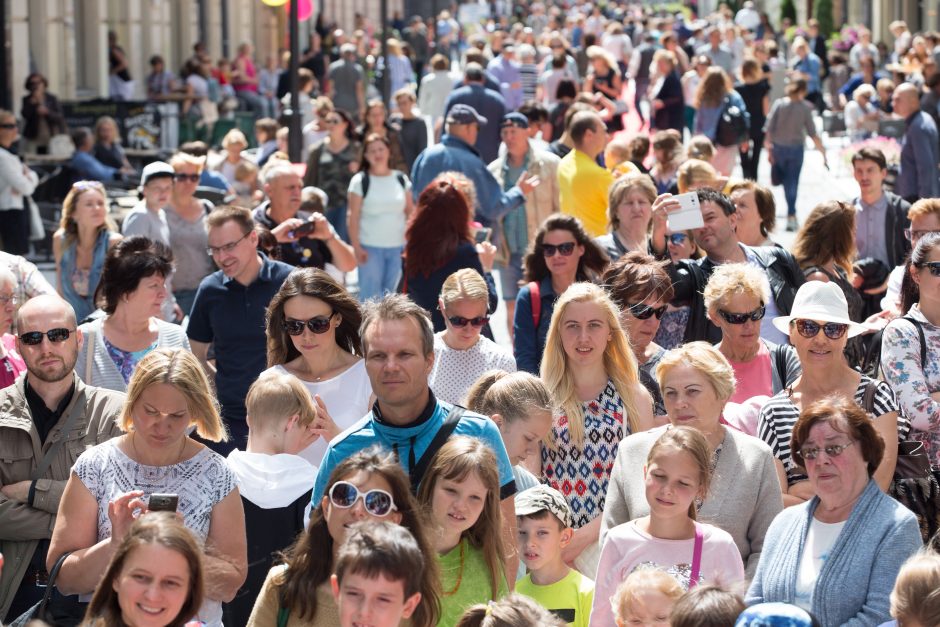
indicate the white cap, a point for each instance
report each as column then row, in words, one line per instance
column 154, row 170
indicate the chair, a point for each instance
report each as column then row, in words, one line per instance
column 892, row 128
column 213, row 195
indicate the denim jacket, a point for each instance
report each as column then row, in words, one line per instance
column 83, row 305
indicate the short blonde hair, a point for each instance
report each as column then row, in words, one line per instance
column 696, row 172
column 464, row 284
column 181, row 159
column 916, row 594
column 735, row 278
column 276, row 396
column 640, row 581
column 234, row 136
column 923, row 208
column 618, row 194
column 706, row 359
column 700, row 147
column 180, row 368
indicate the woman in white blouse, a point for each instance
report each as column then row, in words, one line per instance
column 16, row 183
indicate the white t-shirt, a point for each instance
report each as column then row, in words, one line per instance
column 455, row 371
column 382, row 218
column 820, row 539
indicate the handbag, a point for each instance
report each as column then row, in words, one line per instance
column 66, row 611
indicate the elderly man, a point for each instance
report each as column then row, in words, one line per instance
column 279, row 214
column 47, row 419
column 456, row 153
column 488, row 103
column 918, row 176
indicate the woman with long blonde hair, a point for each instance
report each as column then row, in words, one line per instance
column 593, row 375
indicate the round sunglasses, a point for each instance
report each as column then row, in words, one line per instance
column 645, row 312
column 741, row 318
column 377, row 502
column 317, row 324
column 832, row 330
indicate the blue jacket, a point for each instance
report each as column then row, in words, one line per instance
column 918, row 176
column 528, row 342
column 488, row 103
column 83, row 305
column 87, row 168
column 455, row 155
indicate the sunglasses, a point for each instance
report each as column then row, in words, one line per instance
column 833, row 330
column 910, row 235
column 331, row 121
column 677, row 239
column 32, row 338
column 932, row 266
column 565, row 250
column 645, row 312
column 192, row 178
column 8, row 125
column 741, row 318
column 377, row 502
column 833, row 450
column 461, row 322
column 317, row 324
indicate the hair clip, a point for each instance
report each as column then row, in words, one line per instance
column 489, row 607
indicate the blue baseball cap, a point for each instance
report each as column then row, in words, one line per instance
column 515, row 119
column 464, row 114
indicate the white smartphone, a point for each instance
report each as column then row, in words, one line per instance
column 690, row 214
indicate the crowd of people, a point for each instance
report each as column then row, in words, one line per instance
column 294, row 409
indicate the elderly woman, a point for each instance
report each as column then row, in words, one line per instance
column 697, row 381
column 757, row 213
column 861, row 114
column 132, row 288
column 838, row 555
column 168, row 395
column 16, row 183
column 640, row 287
column 11, row 363
column 629, row 211
column 819, row 327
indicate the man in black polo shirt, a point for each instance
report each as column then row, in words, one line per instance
column 229, row 312
column 279, row 214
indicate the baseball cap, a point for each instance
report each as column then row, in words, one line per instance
column 515, row 119
column 155, row 170
column 543, row 497
column 464, row 114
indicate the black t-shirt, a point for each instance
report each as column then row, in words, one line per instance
column 753, row 96
column 305, row 252
column 43, row 417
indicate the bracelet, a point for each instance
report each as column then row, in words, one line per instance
column 32, row 493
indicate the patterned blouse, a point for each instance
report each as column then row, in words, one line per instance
column 582, row 473
column 126, row 361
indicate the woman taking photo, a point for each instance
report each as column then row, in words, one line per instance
column 697, row 381
column 17, row 182
column 168, row 394
column 629, row 211
column 380, row 203
column 81, row 244
column 819, row 327
column 189, row 235
column 561, row 254
column 42, row 115
column 850, row 531
column 331, row 165
column 376, row 121
column 591, row 369
column 313, row 333
column 132, row 291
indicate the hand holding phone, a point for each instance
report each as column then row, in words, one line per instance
column 483, row 234
column 689, row 214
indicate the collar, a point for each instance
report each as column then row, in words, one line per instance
column 264, row 273
column 422, row 418
column 33, row 398
column 879, row 205
column 455, row 142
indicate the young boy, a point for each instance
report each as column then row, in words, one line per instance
column 273, row 480
column 544, row 527
column 378, row 575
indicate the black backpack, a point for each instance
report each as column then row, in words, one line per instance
column 365, row 181
column 733, row 125
column 871, row 364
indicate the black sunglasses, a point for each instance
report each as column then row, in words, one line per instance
column 833, row 330
column 32, row 338
column 565, row 250
column 677, row 239
column 8, row 125
column 645, row 312
column 317, row 324
column 460, row 321
column 932, row 266
column 192, row 178
column 741, row 318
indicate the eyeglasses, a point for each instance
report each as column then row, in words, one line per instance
column 833, row 330
column 8, row 300
column 678, row 239
column 910, row 235
column 565, row 250
column 331, row 121
column 460, row 321
column 932, row 266
column 317, row 324
column 741, row 318
column 32, row 338
column 226, row 248
column 8, row 125
column 645, row 312
column 832, row 450
column 192, row 178
column 377, row 502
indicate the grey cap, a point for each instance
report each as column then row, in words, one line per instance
column 464, row 114
column 540, row 498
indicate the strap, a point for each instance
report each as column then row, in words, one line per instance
column 89, row 356
column 535, row 296
column 282, row 615
column 868, row 397
column 56, row 445
column 365, row 183
column 450, row 423
column 50, row 586
column 780, row 359
column 920, row 335
column 696, row 557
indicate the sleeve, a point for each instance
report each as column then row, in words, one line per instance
column 524, row 340
column 200, row 324
column 766, row 429
column 769, row 504
column 808, row 125
column 312, row 174
column 355, row 184
column 17, row 176
column 925, row 163
column 264, row 613
column 493, row 298
column 491, row 436
column 494, row 203
column 329, row 462
column 770, row 126
column 135, row 224
column 794, row 367
column 903, row 371
column 32, row 280
column 616, row 510
column 605, row 585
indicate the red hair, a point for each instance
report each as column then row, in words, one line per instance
column 440, row 223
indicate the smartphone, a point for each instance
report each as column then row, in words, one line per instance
column 483, row 234
column 690, row 214
column 163, row 502
column 304, row 229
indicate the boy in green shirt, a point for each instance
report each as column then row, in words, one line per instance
column 544, row 529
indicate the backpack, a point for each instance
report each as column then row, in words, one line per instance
column 871, row 363
column 733, row 124
column 366, row 179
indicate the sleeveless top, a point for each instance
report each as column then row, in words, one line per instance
column 83, row 303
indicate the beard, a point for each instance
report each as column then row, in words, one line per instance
column 53, row 374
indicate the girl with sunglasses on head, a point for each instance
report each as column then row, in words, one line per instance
column 367, row 485
column 313, row 334
column 561, row 254
column 819, row 327
column 461, row 354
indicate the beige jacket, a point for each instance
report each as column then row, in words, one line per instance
column 541, row 203
column 23, row 526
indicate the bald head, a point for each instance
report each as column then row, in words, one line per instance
column 51, row 359
column 45, row 307
column 905, row 100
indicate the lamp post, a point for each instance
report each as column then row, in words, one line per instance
column 295, row 141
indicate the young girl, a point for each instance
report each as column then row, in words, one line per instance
column 678, row 471
column 368, row 485
column 646, row 597
column 461, row 492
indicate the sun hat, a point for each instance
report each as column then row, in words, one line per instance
column 824, row 302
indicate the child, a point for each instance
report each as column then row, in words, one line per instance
column 618, row 156
column 544, row 529
column 461, row 491
column 514, row 610
column 273, row 480
column 702, row 148
column 378, row 575
column 646, row 597
column 711, row 606
column 678, row 471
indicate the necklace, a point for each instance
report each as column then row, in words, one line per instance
column 153, row 476
column 456, row 587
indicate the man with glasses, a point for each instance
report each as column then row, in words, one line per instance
column 229, row 313
column 47, row 419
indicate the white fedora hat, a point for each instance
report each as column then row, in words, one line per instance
column 823, row 302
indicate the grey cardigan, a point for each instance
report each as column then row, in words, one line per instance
column 743, row 508
column 853, row 586
column 104, row 373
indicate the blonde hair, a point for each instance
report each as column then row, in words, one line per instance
column 234, row 136
column 276, row 396
column 735, row 278
column 67, row 223
column 513, row 396
column 923, row 208
column 691, row 441
column 181, row 159
column 460, row 456
column 696, row 172
column 701, row 148
column 464, row 284
column 916, row 594
column 180, row 368
column 706, row 359
column 619, row 361
column 637, row 583
column 665, row 55
column 618, row 195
